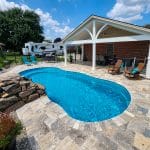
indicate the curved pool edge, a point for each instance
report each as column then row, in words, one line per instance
column 91, row 76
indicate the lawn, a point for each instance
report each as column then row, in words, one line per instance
column 10, row 58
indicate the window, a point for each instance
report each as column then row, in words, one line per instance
column 53, row 46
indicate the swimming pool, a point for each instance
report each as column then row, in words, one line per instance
column 83, row 97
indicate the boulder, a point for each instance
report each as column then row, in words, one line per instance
column 23, row 88
column 41, row 92
column 41, row 87
column 4, row 95
column 33, row 84
column 8, row 82
column 15, row 91
column 25, row 99
column 14, row 107
column 24, row 82
column 27, row 93
column 33, row 97
column 6, row 102
column 1, row 84
column 10, row 87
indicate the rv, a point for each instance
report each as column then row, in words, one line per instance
column 40, row 49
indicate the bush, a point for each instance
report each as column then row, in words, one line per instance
column 8, row 130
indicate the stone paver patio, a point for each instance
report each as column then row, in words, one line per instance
column 50, row 128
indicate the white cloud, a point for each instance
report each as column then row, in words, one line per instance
column 52, row 28
column 129, row 10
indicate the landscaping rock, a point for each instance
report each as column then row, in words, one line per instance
column 16, row 91
column 10, row 87
column 39, row 86
column 33, row 97
column 6, row 102
column 23, row 88
column 27, row 93
column 14, row 107
column 41, row 92
column 24, row 83
column 4, row 95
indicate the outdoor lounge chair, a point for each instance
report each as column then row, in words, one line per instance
column 116, row 68
column 33, row 59
column 134, row 72
column 25, row 61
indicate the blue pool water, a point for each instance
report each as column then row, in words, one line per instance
column 83, row 97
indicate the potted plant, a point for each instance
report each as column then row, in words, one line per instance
column 8, row 131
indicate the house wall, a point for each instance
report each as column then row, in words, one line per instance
column 132, row 49
column 121, row 50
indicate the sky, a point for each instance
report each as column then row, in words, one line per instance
column 60, row 17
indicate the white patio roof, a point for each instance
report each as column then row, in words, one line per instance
column 84, row 32
column 97, row 29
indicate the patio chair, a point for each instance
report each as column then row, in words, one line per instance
column 115, row 69
column 33, row 59
column 100, row 60
column 134, row 72
column 25, row 61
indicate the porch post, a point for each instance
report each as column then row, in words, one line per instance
column 94, row 56
column 94, row 46
column 82, row 51
column 148, row 64
column 65, row 54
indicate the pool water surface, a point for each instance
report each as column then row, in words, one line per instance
column 83, row 97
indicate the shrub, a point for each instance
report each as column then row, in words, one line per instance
column 8, row 130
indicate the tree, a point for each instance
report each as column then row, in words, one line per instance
column 57, row 40
column 18, row 27
column 147, row 26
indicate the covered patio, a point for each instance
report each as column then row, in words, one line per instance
column 102, row 36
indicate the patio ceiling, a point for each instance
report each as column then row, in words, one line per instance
column 108, row 29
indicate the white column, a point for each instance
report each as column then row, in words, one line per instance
column 94, row 46
column 94, row 56
column 148, row 64
column 82, row 51
column 65, row 54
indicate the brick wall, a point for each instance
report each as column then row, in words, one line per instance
column 88, row 51
column 131, row 49
column 121, row 49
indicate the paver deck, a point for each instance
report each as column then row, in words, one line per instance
column 50, row 128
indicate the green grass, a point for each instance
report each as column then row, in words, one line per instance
column 7, row 60
column 16, row 59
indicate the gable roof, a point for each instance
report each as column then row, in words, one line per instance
column 110, row 22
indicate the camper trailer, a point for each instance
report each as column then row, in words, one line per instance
column 40, row 49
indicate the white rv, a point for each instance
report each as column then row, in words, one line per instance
column 42, row 48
